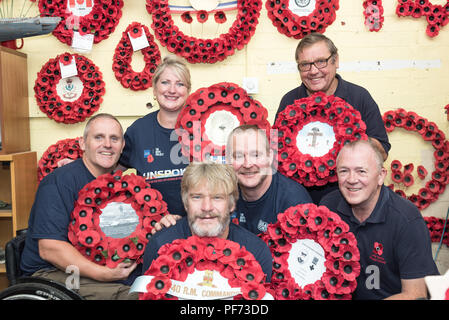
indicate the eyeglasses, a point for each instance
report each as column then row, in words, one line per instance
column 319, row 64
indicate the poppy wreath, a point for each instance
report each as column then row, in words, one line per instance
column 63, row 149
column 180, row 258
column 436, row 227
column 317, row 223
column 437, row 16
column 347, row 126
column 201, row 104
column 53, row 105
column 429, row 131
column 197, row 50
column 374, row 14
column 297, row 27
column 100, row 22
column 447, row 111
column 123, row 56
column 84, row 230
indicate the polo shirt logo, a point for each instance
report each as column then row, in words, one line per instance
column 377, row 253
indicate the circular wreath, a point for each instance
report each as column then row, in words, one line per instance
column 85, row 232
column 200, row 105
column 123, row 57
column 317, row 223
column 197, row 50
column 100, row 22
column 347, row 126
column 410, row 121
column 437, row 16
column 68, row 110
column 180, row 258
column 63, row 149
column 297, row 27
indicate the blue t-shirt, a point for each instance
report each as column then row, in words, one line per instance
column 282, row 194
column 394, row 244
column 155, row 153
column 361, row 100
column 181, row 230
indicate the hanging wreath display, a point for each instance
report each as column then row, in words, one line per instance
column 197, row 50
column 70, row 99
column 123, row 56
column 436, row 228
column 96, row 17
column 63, row 149
column 182, row 257
column 437, row 16
column 311, row 132
column 113, row 218
column 211, row 113
column 429, row 131
column 374, row 14
column 298, row 18
column 314, row 255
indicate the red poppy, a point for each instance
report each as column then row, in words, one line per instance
column 220, row 17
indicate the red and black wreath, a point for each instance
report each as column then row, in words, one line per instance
column 180, row 258
column 123, row 56
column 436, row 227
column 63, row 149
column 311, row 132
column 197, row 50
column 411, row 121
column 211, row 113
column 328, row 231
column 437, row 16
column 298, row 26
column 72, row 99
column 374, row 14
column 97, row 17
column 86, row 228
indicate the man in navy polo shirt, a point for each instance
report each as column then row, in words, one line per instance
column 264, row 192
column 317, row 59
column 394, row 242
column 209, row 193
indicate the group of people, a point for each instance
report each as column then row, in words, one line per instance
column 239, row 199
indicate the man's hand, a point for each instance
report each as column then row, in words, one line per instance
column 121, row 271
column 64, row 161
column 166, row 221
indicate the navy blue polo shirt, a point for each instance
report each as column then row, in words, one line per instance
column 282, row 194
column 155, row 153
column 361, row 100
column 394, row 243
column 181, row 230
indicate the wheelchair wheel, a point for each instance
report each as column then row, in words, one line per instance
column 38, row 289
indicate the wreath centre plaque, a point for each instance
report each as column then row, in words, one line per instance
column 315, row 138
column 118, row 220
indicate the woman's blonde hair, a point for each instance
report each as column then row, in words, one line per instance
column 178, row 66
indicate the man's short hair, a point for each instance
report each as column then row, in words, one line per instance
column 378, row 154
column 313, row 38
column 220, row 178
column 100, row 116
column 246, row 128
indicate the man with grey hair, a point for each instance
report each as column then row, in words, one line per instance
column 209, row 193
column 317, row 61
column 392, row 237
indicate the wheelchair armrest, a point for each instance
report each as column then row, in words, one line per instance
column 13, row 252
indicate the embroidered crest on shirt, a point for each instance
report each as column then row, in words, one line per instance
column 262, row 226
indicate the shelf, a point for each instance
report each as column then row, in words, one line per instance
column 2, row 268
column 5, row 213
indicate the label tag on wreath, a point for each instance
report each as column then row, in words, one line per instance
column 82, row 43
column 315, row 138
column 302, row 8
column 68, row 70
column 118, row 220
column 140, row 42
column 199, row 285
column 80, row 8
column 306, row 261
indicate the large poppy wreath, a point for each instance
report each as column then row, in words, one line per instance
column 312, row 241
column 123, row 55
column 211, row 114
column 63, row 149
column 72, row 99
column 99, row 17
column 197, row 50
column 311, row 132
column 133, row 202
column 429, row 131
column 182, row 257
column 297, row 25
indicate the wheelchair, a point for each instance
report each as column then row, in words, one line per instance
column 29, row 288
